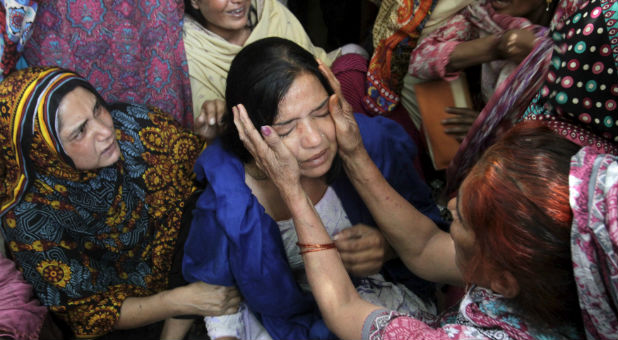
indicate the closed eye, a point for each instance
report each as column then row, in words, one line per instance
column 287, row 132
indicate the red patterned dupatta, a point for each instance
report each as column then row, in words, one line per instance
column 396, row 32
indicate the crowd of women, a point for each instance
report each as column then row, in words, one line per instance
column 172, row 162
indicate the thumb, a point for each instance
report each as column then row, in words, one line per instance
column 348, row 233
column 336, row 110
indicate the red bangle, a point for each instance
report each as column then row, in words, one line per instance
column 311, row 247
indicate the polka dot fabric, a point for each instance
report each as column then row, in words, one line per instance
column 579, row 97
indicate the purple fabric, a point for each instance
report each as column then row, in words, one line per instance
column 593, row 184
column 131, row 51
column 21, row 315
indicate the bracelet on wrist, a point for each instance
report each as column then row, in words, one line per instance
column 312, row 247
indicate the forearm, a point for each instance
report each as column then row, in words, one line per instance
column 141, row 311
column 331, row 286
column 421, row 245
column 472, row 52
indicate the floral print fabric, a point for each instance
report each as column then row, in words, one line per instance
column 593, row 184
column 482, row 315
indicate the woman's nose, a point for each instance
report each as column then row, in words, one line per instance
column 103, row 130
column 311, row 134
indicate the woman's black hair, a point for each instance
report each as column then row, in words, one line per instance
column 259, row 77
column 197, row 15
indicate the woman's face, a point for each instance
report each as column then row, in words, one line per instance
column 519, row 8
column 87, row 130
column 305, row 126
column 224, row 17
column 463, row 237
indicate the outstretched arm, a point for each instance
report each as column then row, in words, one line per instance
column 195, row 298
column 421, row 245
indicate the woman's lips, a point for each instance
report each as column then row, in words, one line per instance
column 238, row 13
column 316, row 160
column 109, row 150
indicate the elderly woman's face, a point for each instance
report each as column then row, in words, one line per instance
column 87, row 130
column 306, row 127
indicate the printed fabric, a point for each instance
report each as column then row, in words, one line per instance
column 578, row 98
column 16, row 17
column 593, row 184
column 482, row 315
column 131, row 51
column 395, row 33
column 87, row 240
column 430, row 58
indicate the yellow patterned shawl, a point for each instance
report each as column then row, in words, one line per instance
column 87, row 240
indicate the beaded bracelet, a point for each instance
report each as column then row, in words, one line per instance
column 311, row 247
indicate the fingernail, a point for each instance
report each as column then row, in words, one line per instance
column 212, row 121
column 265, row 131
column 336, row 237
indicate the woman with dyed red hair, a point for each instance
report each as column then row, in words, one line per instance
column 509, row 241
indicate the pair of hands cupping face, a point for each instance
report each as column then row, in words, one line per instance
column 363, row 249
column 273, row 157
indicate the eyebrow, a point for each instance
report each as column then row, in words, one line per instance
column 97, row 105
column 318, row 108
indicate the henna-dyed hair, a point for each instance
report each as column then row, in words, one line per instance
column 516, row 201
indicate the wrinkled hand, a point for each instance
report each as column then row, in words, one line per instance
column 349, row 139
column 459, row 126
column 515, row 45
column 363, row 249
column 209, row 300
column 270, row 154
column 210, row 121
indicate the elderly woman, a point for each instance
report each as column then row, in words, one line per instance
column 508, row 228
column 93, row 204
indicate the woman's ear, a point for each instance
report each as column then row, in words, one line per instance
column 505, row 284
column 195, row 4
